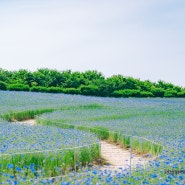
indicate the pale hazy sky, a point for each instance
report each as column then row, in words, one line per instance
column 140, row 38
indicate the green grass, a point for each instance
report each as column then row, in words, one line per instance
column 90, row 106
column 139, row 145
column 72, row 159
column 103, row 133
column 50, row 163
column 24, row 115
column 143, row 146
column 65, row 159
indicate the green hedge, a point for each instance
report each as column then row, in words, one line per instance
column 18, row 87
column 39, row 89
column 91, row 90
column 71, row 91
column 131, row 93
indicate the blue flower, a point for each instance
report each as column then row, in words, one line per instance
column 108, row 179
column 153, row 175
column 15, row 183
column 10, row 165
column 18, row 169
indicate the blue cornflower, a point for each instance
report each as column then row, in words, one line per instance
column 15, row 183
column 153, row 175
column 181, row 177
column 108, row 179
column 18, row 169
column 95, row 172
column 10, row 165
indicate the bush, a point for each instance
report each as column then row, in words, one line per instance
column 170, row 93
column 54, row 89
column 39, row 89
column 146, row 94
column 71, row 91
column 181, row 94
column 18, row 87
column 2, row 85
column 91, row 90
column 158, row 92
column 131, row 93
column 126, row 93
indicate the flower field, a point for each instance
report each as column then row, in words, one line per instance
column 18, row 138
column 67, row 124
column 49, row 150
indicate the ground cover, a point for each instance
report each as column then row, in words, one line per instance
column 24, row 101
column 39, row 151
column 159, row 120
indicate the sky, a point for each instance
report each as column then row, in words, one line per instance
column 144, row 39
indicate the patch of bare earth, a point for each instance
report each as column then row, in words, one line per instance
column 30, row 122
column 119, row 158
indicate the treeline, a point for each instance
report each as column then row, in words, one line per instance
column 90, row 83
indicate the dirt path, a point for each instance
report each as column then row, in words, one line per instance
column 30, row 122
column 119, row 157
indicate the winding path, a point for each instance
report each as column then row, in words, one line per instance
column 119, row 157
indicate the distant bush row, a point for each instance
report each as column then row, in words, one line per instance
column 90, row 83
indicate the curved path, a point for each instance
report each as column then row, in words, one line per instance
column 119, row 157
column 114, row 155
column 30, row 122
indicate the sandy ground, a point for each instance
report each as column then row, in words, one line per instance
column 30, row 122
column 119, row 157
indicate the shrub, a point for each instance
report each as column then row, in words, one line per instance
column 54, row 89
column 181, row 94
column 158, row 92
column 146, row 94
column 89, row 90
column 18, row 87
column 2, row 85
column 71, row 91
column 126, row 93
column 39, row 89
column 170, row 93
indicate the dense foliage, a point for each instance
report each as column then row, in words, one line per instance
column 91, row 83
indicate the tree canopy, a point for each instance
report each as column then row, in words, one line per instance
column 91, row 83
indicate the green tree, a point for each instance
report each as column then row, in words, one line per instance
column 75, row 80
column 170, row 93
column 93, row 77
column 158, row 92
column 5, row 75
column 47, row 78
column 2, row 85
column 181, row 94
column 164, row 85
column 22, row 77
column 116, row 82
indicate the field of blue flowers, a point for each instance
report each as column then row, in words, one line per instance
column 156, row 119
column 18, row 138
